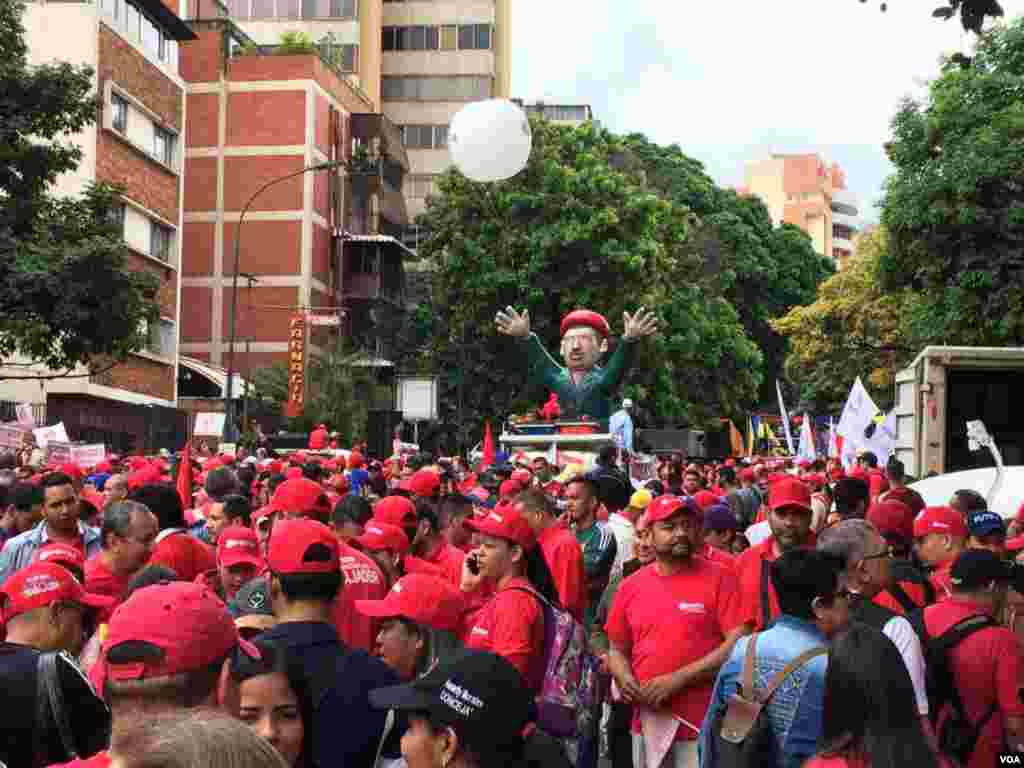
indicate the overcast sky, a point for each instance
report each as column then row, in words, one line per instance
column 734, row 81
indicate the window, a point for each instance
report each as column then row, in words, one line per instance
column 239, row 9
column 417, row 38
column 432, row 38
column 483, row 37
column 289, row 9
column 436, row 88
column 118, row 113
column 387, row 37
column 163, row 145
column 475, row 37
column 159, row 337
column 160, row 241
column 467, row 37
column 263, row 9
column 440, row 136
column 117, row 216
column 449, row 38
column 405, row 35
column 150, row 35
column 345, row 9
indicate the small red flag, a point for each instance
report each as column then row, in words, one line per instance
column 488, row 449
column 184, row 482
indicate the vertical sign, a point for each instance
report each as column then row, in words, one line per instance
column 296, row 366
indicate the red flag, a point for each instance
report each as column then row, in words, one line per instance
column 185, row 478
column 488, row 450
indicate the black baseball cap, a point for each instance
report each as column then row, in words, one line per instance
column 977, row 568
column 478, row 693
column 251, row 608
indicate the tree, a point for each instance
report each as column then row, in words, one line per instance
column 955, row 206
column 66, row 295
column 852, row 329
column 973, row 13
column 571, row 230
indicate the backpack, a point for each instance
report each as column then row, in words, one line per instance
column 957, row 735
column 744, row 737
column 569, row 703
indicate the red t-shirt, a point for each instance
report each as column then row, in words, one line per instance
column 564, row 558
column 877, row 484
column 511, row 625
column 720, row 556
column 987, row 669
column 907, row 496
column 184, row 554
column 100, row 580
column 363, row 581
column 748, row 569
column 448, row 559
column 99, row 760
column 664, row 623
column 835, row 762
column 942, row 579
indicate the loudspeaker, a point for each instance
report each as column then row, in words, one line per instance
column 380, row 431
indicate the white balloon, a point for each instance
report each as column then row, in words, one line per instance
column 490, row 140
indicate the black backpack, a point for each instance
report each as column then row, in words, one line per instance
column 958, row 735
column 744, row 736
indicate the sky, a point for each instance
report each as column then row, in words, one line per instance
column 732, row 82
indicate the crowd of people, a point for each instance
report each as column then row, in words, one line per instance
column 325, row 608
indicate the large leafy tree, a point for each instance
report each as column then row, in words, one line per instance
column 581, row 226
column 66, row 296
column 955, row 206
column 852, row 329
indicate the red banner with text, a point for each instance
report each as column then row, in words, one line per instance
column 296, row 366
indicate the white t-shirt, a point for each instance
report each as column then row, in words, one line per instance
column 907, row 642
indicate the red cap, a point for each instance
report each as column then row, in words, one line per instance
column 522, row 476
column 61, row 554
column 665, row 506
column 72, row 470
column 377, row 536
column 300, row 496
column 789, row 492
column 1020, row 514
column 892, row 517
column 395, row 510
column 93, row 497
column 705, row 499
column 508, row 488
column 940, row 520
column 747, row 474
column 41, row 584
column 587, row 318
column 293, row 473
column 259, row 514
column 505, row 523
column 237, row 545
column 1015, row 544
column 137, row 462
column 424, row 483
column 427, row 600
column 302, row 547
column 185, row 620
column 144, row 476
column 355, row 460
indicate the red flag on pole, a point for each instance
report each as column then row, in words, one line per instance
column 184, row 482
column 488, row 449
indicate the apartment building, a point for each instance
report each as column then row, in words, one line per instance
column 803, row 190
column 133, row 47
column 573, row 115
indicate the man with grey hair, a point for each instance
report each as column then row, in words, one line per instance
column 115, row 489
column 868, row 559
column 128, row 533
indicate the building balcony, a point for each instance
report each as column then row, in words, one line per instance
column 845, row 220
column 844, row 201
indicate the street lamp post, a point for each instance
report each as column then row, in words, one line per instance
column 230, row 430
column 250, row 279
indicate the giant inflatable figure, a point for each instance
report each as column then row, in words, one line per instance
column 584, row 388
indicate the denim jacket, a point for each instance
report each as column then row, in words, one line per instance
column 795, row 711
column 18, row 552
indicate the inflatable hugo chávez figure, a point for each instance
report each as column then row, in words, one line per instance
column 583, row 387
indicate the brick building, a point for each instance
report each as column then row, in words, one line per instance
column 132, row 45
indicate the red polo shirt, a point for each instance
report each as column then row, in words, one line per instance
column 446, row 559
column 363, row 581
column 720, row 556
column 664, row 623
column 987, row 669
column 511, row 625
column 184, row 554
column 941, row 579
column 748, row 570
column 100, row 580
column 564, row 557
column 99, row 760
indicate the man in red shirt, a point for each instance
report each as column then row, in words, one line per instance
column 511, row 623
column 363, row 581
column 940, row 535
column 238, row 561
column 129, row 532
column 559, row 547
column 671, row 627
column 789, row 517
column 386, row 545
column 175, row 547
column 898, row 490
column 987, row 665
column 909, row 589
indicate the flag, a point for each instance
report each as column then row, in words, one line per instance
column 785, row 419
column 755, row 434
column 807, row 449
column 184, row 481
column 488, row 447
column 735, row 439
column 865, row 428
column 834, row 440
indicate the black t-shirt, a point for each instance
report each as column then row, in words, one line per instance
column 88, row 715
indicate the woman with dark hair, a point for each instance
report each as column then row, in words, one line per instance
column 275, row 702
column 870, row 713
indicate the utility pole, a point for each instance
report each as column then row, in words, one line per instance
column 250, row 279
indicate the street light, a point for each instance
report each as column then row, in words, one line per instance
column 230, row 432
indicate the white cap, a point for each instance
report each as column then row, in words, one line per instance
column 627, row 403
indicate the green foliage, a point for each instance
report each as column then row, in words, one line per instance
column 66, row 297
column 955, row 206
column 294, row 42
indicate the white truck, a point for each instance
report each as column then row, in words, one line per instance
column 943, row 389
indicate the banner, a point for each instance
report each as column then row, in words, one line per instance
column 296, row 366
column 24, row 413
column 88, row 455
column 785, row 419
column 12, row 435
column 59, row 452
column 45, row 434
column 209, row 424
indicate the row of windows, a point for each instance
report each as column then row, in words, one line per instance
column 450, row 37
column 436, row 88
column 128, row 19
column 143, row 234
column 552, row 112
column 292, row 9
column 425, row 136
column 147, row 135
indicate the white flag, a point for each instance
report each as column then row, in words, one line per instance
column 807, row 449
column 858, row 414
column 833, row 440
column 785, row 419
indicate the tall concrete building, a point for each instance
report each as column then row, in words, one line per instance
column 805, row 191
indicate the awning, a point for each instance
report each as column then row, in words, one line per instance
column 385, row 240
column 214, row 374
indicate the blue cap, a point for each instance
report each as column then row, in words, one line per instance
column 718, row 517
column 985, row 523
